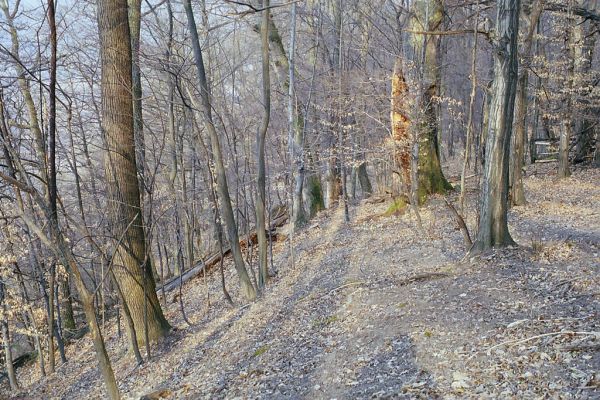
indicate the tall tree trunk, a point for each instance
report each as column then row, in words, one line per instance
column 471, row 112
column 134, row 17
column 566, row 131
column 333, row 173
column 131, row 264
column 52, row 189
column 296, row 131
column 222, row 186
column 428, row 15
column 493, row 223
column 531, row 13
column 586, row 35
column 261, row 198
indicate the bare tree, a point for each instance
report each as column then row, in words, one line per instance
column 131, row 264
column 493, row 222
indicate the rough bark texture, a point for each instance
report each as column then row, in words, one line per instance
column 363, row 178
column 428, row 15
column 134, row 17
column 493, row 224
column 313, row 192
column 531, row 16
column 566, row 131
column 66, row 307
column 131, row 265
column 586, row 35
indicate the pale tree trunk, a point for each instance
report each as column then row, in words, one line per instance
column 131, row 264
column 34, row 125
column 261, row 135
column 307, row 187
column 468, row 144
column 296, row 132
column 531, row 13
column 493, row 223
column 223, row 189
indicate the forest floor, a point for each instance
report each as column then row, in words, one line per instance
column 377, row 308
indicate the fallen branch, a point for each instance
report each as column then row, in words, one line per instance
column 214, row 259
column 529, row 339
column 461, row 223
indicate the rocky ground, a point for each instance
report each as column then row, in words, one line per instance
column 378, row 308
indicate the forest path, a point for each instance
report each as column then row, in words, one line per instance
column 376, row 309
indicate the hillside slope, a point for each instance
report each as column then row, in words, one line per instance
column 377, row 309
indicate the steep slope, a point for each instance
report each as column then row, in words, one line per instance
column 378, row 309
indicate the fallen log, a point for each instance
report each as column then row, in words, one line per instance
column 206, row 264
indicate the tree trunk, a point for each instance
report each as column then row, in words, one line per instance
column 68, row 318
column 52, row 189
column 531, row 16
column 566, row 131
column 222, row 186
column 429, row 15
column 296, row 124
column 493, row 224
column 134, row 18
column 585, row 124
column 131, row 264
column 363, row 178
column 313, row 193
column 261, row 198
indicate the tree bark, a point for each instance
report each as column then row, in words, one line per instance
column 531, row 15
column 428, row 15
column 493, row 223
column 134, row 18
column 131, row 264
column 222, row 186
column 261, row 198
column 363, row 178
column 585, row 123
column 566, row 131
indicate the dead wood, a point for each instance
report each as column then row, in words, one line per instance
column 212, row 260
